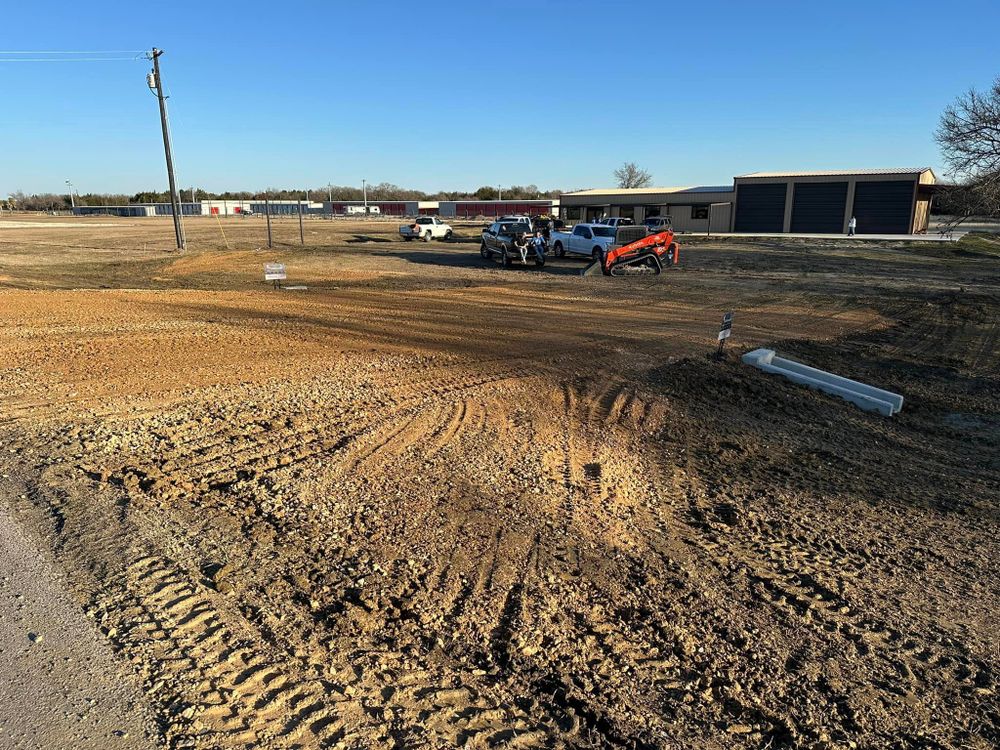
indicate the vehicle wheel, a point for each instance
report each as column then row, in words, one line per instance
column 427, row 237
column 560, row 251
column 447, row 236
column 485, row 251
column 407, row 239
column 597, row 255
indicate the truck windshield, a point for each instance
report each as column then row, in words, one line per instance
column 604, row 231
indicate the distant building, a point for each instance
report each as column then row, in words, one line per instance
column 471, row 208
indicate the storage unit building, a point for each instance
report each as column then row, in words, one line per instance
column 884, row 201
column 690, row 208
column 381, row 208
column 472, row 209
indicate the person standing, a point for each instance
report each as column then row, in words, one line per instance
column 851, row 226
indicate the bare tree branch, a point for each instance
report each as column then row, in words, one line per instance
column 969, row 136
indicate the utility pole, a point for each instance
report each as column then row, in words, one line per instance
column 364, row 194
column 302, row 231
column 499, row 192
column 72, row 202
column 156, row 84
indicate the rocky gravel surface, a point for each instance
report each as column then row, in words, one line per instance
column 428, row 503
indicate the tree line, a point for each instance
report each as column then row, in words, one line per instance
column 385, row 191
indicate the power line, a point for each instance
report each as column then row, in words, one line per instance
column 67, row 59
column 73, row 52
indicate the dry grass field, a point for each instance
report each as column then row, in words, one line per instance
column 428, row 502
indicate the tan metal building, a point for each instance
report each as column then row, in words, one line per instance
column 688, row 207
column 884, row 201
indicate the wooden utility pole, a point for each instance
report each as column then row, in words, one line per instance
column 302, row 231
column 175, row 200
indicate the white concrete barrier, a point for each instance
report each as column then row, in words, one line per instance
column 862, row 395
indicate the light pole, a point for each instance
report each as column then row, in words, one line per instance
column 499, row 192
column 329, row 191
column 72, row 203
column 364, row 195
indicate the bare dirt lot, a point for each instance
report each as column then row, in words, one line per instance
column 432, row 503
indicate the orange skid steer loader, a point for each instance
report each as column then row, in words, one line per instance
column 636, row 253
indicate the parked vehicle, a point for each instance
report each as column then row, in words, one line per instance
column 515, row 219
column 349, row 210
column 656, row 224
column 511, row 241
column 426, row 228
column 616, row 221
column 591, row 240
column 541, row 223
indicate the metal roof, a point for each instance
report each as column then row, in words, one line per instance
column 837, row 172
column 654, row 190
column 708, row 189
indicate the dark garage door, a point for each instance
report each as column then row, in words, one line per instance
column 883, row 207
column 819, row 207
column 760, row 208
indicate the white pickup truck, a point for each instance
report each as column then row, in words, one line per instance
column 426, row 228
column 591, row 240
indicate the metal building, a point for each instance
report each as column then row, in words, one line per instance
column 381, row 208
column 472, row 208
column 690, row 208
column 884, row 201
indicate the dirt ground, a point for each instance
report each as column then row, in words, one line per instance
column 428, row 502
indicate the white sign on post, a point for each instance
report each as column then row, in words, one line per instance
column 274, row 272
column 724, row 332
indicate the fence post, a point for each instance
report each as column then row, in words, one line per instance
column 302, row 233
column 267, row 213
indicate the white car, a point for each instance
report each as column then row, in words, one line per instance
column 617, row 221
column 426, row 228
column 591, row 240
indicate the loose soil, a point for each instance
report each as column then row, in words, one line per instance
column 428, row 502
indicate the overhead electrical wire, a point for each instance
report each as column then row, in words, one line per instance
column 70, row 55
column 66, row 59
column 69, row 52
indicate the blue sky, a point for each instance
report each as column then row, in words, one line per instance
column 454, row 95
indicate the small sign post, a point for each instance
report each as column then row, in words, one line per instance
column 275, row 272
column 724, row 333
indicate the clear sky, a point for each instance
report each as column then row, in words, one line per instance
column 454, row 95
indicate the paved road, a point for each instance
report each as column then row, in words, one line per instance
column 60, row 684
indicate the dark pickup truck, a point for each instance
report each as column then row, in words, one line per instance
column 511, row 241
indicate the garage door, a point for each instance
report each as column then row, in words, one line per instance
column 883, row 207
column 760, row 208
column 819, row 207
